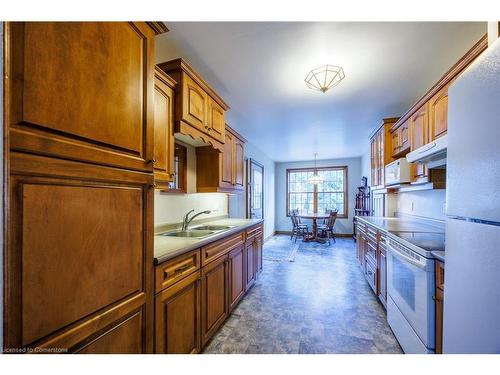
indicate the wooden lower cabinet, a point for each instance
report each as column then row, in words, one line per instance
column 382, row 274
column 237, row 280
column 439, row 299
column 123, row 338
column 178, row 317
column 214, row 296
column 76, row 272
column 259, row 243
column 197, row 291
column 371, row 252
column 250, row 257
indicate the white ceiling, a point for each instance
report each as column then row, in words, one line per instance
column 259, row 70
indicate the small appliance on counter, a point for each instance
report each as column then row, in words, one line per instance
column 410, row 288
column 397, row 172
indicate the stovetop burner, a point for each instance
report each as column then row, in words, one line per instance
column 422, row 242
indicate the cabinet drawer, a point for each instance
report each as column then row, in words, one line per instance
column 372, row 234
column 371, row 251
column 440, row 275
column 371, row 273
column 221, row 247
column 176, row 269
column 254, row 231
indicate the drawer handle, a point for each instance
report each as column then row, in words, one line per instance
column 179, row 270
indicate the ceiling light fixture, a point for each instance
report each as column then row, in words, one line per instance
column 324, row 78
column 315, row 179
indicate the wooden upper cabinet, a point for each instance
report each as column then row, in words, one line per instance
column 239, row 163
column 82, row 91
column 419, row 130
column 404, row 139
column 419, row 127
column 216, row 123
column 400, row 141
column 163, row 160
column 228, row 160
column 438, row 114
column 194, row 104
column 221, row 171
column 199, row 110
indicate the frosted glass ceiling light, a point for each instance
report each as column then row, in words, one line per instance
column 324, row 78
column 315, row 178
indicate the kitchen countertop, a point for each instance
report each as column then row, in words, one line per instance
column 424, row 236
column 403, row 224
column 166, row 248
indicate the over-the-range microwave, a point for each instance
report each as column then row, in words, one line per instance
column 397, row 172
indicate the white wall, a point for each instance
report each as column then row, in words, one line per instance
column 426, row 203
column 283, row 222
column 365, row 166
column 170, row 208
column 237, row 202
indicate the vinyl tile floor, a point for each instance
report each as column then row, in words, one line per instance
column 319, row 303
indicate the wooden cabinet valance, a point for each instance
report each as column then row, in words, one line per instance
column 199, row 110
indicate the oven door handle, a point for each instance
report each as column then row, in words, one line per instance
column 405, row 258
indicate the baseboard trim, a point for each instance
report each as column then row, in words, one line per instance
column 289, row 232
column 269, row 237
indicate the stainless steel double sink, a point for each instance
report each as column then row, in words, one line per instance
column 200, row 231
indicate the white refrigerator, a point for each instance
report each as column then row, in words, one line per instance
column 472, row 269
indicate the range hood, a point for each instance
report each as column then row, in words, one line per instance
column 432, row 154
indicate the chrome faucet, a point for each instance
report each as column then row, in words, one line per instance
column 187, row 220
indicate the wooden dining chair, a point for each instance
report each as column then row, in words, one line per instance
column 298, row 229
column 327, row 229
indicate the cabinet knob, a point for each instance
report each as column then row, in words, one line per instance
column 206, row 126
column 152, row 161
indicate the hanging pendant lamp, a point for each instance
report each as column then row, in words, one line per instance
column 315, row 178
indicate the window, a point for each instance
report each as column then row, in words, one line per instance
column 309, row 198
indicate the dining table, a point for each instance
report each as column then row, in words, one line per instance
column 314, row 216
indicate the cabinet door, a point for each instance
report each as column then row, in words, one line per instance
column 250, row 264
column 438, row 114
column 381, row 163
column 216, row 123
column 90, row 258
column 194, row 104
column 214, row 300
column 419, row 128
column 236, row 275
column 382, row 282
column 178, row 317
column 373, row 158
column 228, row 160
column 259, row 245
column 82, row 91
column 404, row 141
column 239, row 163
column 419, row 137
column 439, row 298
column 395, row 138
column 163, row 160
column 123, row 338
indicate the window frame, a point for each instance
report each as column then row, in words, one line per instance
column 344, row 169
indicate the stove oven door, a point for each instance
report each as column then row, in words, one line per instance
column 410, row 279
